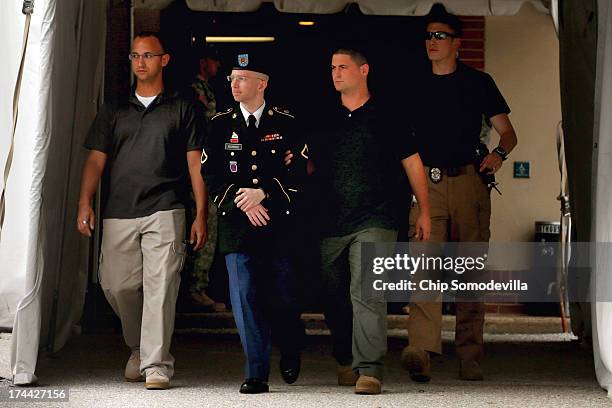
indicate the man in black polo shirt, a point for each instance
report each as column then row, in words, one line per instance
column 451, row 102
column 357, row 156
column 149, row 144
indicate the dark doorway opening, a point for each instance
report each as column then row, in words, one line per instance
column 299, row 55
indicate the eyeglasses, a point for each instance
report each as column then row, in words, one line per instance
column 134, row 56
column 241, row 78
column 438, row 35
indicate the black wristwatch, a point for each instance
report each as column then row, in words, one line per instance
column 502, row 153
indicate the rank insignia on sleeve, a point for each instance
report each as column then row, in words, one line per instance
column 233, row 166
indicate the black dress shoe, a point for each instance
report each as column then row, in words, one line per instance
column 254, row 386
column 290, row 368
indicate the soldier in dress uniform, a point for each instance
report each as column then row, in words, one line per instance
column 255, row 195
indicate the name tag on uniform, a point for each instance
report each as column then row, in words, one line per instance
column 233, row 146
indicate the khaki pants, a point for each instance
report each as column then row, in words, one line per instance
column 140, row 268
column 460, row 211
column 358, row 325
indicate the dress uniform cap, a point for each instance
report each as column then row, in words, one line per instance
column 249, row 61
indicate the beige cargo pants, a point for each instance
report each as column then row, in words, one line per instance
column 140, row 267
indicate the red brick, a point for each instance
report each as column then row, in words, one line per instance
column 476, row 55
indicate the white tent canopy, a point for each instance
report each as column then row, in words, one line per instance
column 368, row 7
column 40, row 249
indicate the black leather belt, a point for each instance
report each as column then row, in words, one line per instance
column 436, row 173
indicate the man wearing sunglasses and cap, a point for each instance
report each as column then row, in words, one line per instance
column 452, row 101
column 255, row 195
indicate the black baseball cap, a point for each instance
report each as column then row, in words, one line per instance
column 438, row 14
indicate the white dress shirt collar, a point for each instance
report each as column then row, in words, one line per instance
column 257, row 113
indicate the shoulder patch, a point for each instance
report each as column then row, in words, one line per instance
column 222, row 113
column 283, row 112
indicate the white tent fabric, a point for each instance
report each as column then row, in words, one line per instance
column 370, row 7
column 12, row 280
column 602, row 225
column 21, row 263
column 40, row 249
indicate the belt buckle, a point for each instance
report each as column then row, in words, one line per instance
column 435, row 174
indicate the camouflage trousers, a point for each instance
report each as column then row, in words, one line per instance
column 201, row 262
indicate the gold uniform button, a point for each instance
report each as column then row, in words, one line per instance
column 254, row 167
column 254, row 153
column 288, row 212
column 255, row 181
column 273, row 151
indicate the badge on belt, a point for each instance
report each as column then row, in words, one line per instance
column 435, row 174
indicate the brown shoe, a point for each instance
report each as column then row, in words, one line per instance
column 417, row 362
column 367, row 385
column 132, row 368
column 219, row 307
column 201, row 299
column 346, row 376
column 469, row 370
column 156, row 379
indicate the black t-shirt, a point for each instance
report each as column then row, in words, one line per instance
column 146, row 148
column 358, row 156
column 448, row 114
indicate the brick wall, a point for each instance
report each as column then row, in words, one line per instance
column 472, row 44
column 117, row 66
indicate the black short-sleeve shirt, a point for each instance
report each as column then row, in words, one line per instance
column 146, row 148
column 357, row 156
column 448, row 114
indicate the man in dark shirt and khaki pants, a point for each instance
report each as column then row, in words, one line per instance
column 357, row 169
column 149, row 144
column 450, row 107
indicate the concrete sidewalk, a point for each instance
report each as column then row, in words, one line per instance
column 521, row 370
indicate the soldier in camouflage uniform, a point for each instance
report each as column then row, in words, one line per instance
column 208, row 67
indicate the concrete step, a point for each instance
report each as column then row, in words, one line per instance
column 315, row 322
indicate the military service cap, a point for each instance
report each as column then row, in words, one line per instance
column 248, row 61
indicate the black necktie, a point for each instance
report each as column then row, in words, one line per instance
column 252, row 121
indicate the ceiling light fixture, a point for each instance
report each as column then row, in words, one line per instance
column 223, row 39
